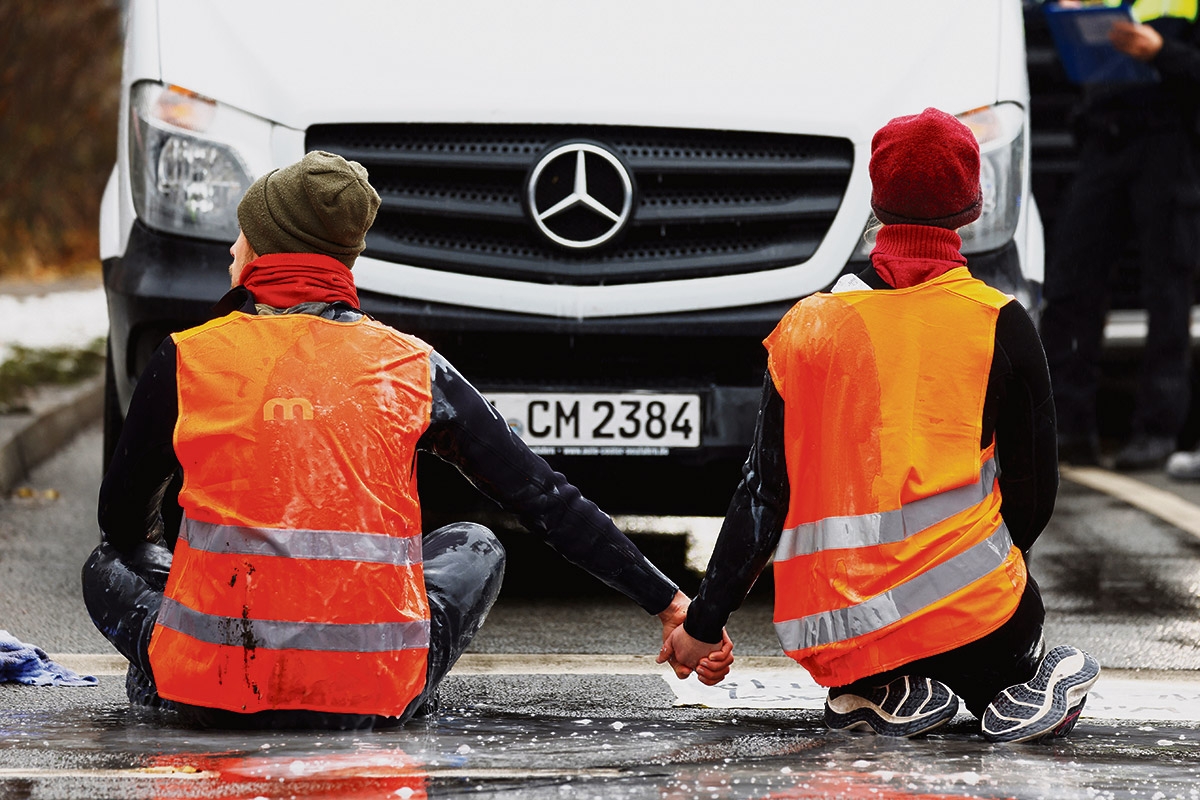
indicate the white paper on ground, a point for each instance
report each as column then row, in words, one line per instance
column 1144, row 699
column 751, row 689
column 1116, row 698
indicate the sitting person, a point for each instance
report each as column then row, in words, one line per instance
column 262, row 562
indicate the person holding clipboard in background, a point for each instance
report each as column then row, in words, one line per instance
column 1139, row 67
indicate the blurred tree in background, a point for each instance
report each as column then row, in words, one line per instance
column 60, row 71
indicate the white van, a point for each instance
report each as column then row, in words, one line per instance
column 596, row 211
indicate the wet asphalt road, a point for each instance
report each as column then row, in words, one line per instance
column 1117, row 582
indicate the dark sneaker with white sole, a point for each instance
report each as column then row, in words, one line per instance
column 908, row 706
column 1048, row 705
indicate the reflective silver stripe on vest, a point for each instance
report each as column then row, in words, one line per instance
column 885, row 527
column 906, row 599
column 376, row 548
column 378, row 637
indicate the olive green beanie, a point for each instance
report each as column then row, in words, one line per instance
column 321, row 204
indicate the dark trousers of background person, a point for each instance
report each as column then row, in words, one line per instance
column 1144, row 186
column 463, row 566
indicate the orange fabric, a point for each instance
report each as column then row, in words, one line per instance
column 251, row 679
column 883, row 394
column 232, row 368
column 956, row 618
column 268, row 442
column 858, row 574
column 276, row 587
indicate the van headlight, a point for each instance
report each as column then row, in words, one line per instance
column 183, row 177
column 1000, row 130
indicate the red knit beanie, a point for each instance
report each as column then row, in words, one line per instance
column 925, row 171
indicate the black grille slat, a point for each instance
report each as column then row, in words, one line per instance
column 453, row 206
column 716, row 261
column 660, row 210
column 655, row 210
column 451, row 160
column 522, row 258
column 676, row 163
column 708, row 202
column 811, row 167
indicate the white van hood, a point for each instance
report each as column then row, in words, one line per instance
column 788, row 66
column 604, row 63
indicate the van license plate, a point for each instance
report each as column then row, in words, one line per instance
column 621, row 424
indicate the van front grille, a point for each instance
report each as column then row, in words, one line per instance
column 706, row 202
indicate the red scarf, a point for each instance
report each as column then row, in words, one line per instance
column 906, row 255
column 283, row 280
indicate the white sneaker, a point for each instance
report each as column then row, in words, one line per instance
column 1047, row 706
column 1184, row 465
column 908, row 706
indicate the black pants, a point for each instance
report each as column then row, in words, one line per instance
column 1143, row 186
column 978, row 671
column 463, row 565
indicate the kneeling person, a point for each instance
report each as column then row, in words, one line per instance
column 903, row 465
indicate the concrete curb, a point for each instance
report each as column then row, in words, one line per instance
column 56, row 414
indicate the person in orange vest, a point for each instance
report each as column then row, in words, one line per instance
column 904, row 463
column 262, row 562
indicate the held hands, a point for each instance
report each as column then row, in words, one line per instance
column 686, row 654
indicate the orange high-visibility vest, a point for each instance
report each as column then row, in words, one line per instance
column 893, row 546
column 297, row 578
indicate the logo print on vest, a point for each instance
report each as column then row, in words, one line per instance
column 290, row 406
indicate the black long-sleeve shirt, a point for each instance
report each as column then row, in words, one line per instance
column 1018, row 410
column 139, row 494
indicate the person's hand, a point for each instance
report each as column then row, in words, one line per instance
column 1134, row 39
column 673, row 615
column 713, row 668
column 686, row 654
column 671, row 618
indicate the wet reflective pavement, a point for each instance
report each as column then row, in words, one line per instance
column 1117, row 581
column 657, row 752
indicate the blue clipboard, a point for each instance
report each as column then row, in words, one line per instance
column 1081, row 38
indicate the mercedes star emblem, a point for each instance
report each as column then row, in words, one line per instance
column 580, row 195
